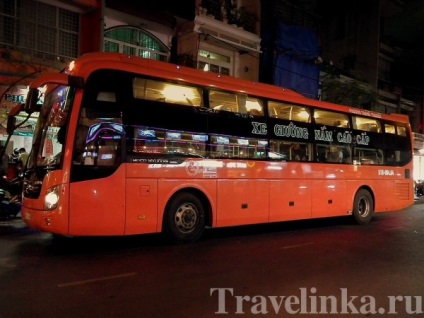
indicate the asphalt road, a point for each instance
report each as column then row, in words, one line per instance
column 318, row 268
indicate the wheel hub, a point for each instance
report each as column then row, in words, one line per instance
column 363, row 207
column 186, row 218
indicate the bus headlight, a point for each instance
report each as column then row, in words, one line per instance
column 52, row 198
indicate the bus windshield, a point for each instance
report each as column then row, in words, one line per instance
column 50, row 131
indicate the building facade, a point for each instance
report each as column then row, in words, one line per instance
column 356, row 49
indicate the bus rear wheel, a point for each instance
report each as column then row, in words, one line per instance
column 363, row 207
column 184, row 219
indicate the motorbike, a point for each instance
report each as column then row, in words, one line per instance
column 11, row 197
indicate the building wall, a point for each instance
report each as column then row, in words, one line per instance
column 349, row 36
column 22, row 58
column 92, row 27
column 348, row 31
column 113, row 18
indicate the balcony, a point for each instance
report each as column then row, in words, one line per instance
column 229, row 33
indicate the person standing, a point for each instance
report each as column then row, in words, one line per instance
column 4, row 164
column 23, row 158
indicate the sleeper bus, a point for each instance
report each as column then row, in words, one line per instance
column 125, row 146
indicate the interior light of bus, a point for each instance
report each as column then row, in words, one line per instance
column 253, row 105
column 263, row 142
column 172, row 135
column 118, row 127
column 203, row 138
column 244, row 142
column 303, row 114
column 179, row 93
column 223, row 140
column 52, row 198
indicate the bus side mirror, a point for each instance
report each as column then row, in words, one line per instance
column 11, row 124
column 11, row 118
column 31, row 103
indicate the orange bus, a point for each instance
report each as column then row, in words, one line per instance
column 125, row 145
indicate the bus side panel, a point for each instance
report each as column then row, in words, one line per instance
column 401, row 191
column 401, row 194
column 404, row 192
column 90, row 215
column 242, row 202
column 328, row 198
column 290, row 200
column 141, row 206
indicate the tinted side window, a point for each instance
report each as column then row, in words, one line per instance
column 289, row 112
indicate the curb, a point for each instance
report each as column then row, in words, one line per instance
column 419, row 200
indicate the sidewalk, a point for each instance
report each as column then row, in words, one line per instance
column 419, row 199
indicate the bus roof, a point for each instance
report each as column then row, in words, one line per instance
column 88, row 63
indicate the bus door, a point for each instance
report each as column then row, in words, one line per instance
column 97, row 189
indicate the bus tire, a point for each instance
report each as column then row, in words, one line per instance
column 363, row 207
column 184, row 219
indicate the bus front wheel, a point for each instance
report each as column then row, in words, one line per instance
column 184, row 219
column 363, row 207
